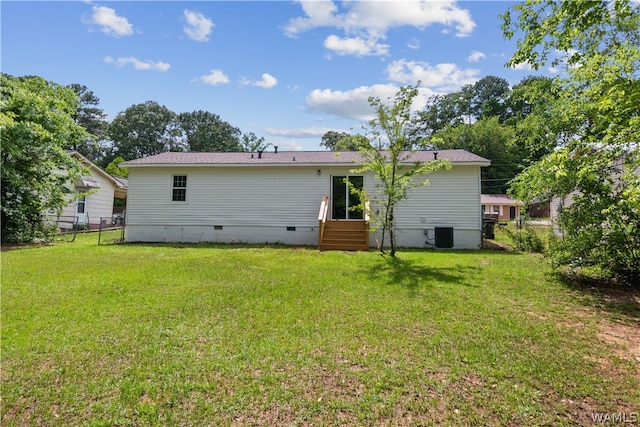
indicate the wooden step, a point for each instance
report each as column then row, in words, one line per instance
column 345, row 235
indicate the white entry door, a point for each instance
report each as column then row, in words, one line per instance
column 81, row 209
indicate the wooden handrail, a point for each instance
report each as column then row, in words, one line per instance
column 322, row 215
column 322, row 219
column 367, row 206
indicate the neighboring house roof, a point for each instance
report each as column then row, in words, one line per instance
column 124, row 182
column 87, row 182
column 302, row 158
column 499, row 199
column 95, row 169
column 120, row 185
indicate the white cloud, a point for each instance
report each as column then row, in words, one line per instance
column 476, row 56
column 320, row 13
column 214, row 78
column 440, row 77
column 366, row 22
column 198, row 26
column 382, row 15
column 110, row 22
column 356, row 46
column 288, row 146
column 523, row 66
column 267, row 82
column 310, row 132
column 414, row 44
column 354, row 104
column 137, row 64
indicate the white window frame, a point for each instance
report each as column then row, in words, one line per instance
column 173, row 187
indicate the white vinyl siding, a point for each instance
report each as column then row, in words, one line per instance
column 452, row 198
column 257, row 204
column 229, row 196
column 98, row 203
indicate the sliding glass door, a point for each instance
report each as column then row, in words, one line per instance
column 345, row 201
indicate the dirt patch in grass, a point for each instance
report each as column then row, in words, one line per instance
column 626, row 338
column 496, row 245
column 618, row 310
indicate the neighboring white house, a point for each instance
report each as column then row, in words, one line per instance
column 275, row 197
column 93, row 197
column 501, row 205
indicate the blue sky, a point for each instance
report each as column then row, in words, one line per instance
column 286, row 70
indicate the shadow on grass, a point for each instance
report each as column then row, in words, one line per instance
column 618, row 299
column 412, row 276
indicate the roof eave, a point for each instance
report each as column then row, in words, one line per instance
column 287, row 164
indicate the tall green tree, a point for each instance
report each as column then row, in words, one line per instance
column 488, row 97
column 114, row 168
column 92, row 119
column 251, row 143
column 530, row 110
column 144, row 130
column 341, row 141
column 388, row 153
column 598, row 107
column 36, row 126
column 330, row 139
column 207, row 132
column 350, row 143
column 491, row 140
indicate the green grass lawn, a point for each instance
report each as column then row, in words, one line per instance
column 231, row 335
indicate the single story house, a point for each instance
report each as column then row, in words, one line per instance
column 93, row 197
column 296, row 198
column 539, row 209
column 500, row 206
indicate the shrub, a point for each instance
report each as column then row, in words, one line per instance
column 525, row 238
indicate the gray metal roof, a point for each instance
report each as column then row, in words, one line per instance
column 291, row 158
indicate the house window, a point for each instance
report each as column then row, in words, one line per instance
column 496, row 210
column 81, row 204
column 179, row 188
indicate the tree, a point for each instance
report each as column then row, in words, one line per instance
column 36, row 125
column 488, row 97
column 491, row 140
column 598, row 109
column 440, row 112
column 341, row 141
column 530, row 112
column 386, row 154
column 143, row 130
column 114, row 168
column 92, row 119
column 251, row 143
column 207, row 132
column 350, row 143
column 331, row 138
